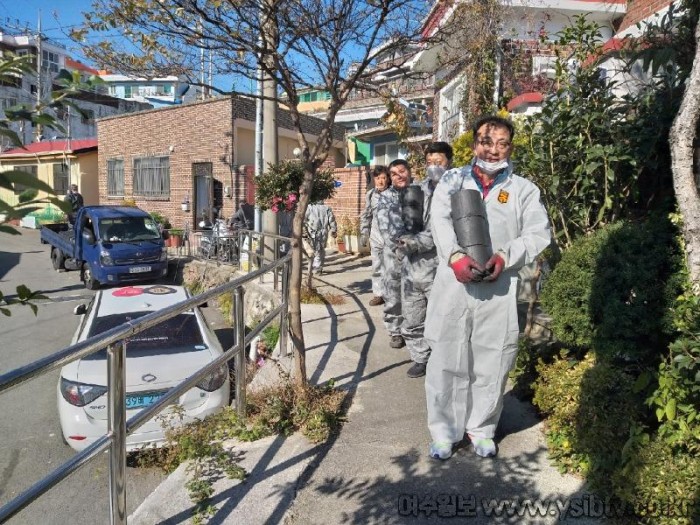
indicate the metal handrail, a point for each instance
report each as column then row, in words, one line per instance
column 118, row 428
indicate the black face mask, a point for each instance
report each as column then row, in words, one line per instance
column 435, row 173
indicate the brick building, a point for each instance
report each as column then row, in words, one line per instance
column 202, row 153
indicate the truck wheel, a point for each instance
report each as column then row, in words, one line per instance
column 57, row 259
column 90, row 282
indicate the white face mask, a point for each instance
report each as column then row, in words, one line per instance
column 434, row 173
column 491, row 167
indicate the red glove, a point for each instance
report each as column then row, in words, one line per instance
column 494, row 267
column 463, row 269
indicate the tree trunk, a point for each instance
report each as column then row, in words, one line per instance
column 295, row 327
column 681, row 141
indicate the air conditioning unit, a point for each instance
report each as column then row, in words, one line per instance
column 544, row 65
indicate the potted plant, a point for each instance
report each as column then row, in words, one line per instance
column 349, row 234
column 163, row 225
column 175, row 237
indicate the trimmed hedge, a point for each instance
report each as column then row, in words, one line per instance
column 590, row 407
column 613, row 291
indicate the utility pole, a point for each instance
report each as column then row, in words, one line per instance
column 39, row 128
column 270, row 222
column 202, row 77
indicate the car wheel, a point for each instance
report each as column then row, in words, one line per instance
column 90, row 282
column 57, row 259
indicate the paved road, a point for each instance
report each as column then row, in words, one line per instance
column 31, row 444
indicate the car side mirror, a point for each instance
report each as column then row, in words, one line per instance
column 88, row 236
column 80, row 309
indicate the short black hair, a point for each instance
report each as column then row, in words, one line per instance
column 494, row 120
column 378, row 170
column 399, row 162
column 439, row 147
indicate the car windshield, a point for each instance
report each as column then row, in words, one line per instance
column 177, row 335
column 128, row 229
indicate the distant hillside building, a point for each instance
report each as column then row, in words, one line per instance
column 158, row 91
column 31, row 87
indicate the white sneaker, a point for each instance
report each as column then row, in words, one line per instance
column 484, row 447
column 441, row 450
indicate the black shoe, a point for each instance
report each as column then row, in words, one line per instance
column 397, row 342
column 417, row 370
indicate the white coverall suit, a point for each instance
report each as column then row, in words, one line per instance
column 415, row 265
column 370, row 227
column 472, row 328
column 318, row 220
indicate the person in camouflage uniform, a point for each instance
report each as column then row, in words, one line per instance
column 318, row 222
column 369, row 231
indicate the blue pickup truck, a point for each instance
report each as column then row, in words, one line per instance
column 109, row 245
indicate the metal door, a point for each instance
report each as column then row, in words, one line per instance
column 203, row 191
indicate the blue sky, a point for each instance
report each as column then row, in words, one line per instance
column 57, row 16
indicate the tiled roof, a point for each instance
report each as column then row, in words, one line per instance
column 525, row 98
column 53, row 146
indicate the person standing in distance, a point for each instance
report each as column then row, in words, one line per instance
column 369, row 230
column 472, row 321
column 76, row 201
column 318, row 222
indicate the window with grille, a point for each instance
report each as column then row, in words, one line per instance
column 50, row 61
column 115, row 178
column 32, row 170
column 61, row 178
column 152, row 177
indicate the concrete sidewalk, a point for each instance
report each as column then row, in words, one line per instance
column 377, row 470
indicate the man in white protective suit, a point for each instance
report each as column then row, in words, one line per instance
column 472, row 322
column 318, row 221
column 369, row 231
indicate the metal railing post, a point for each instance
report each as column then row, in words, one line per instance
column 116, row 421
column 261, row 252
column 275, row 272
column 284, row 315
column 239, row 307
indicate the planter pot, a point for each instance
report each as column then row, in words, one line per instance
column 175, row 241
column 341, row 245
column 352, row 244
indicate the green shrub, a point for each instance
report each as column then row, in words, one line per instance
column 278, row 188
column 662, row 485
column 591, row 407
column 612, row 291
column 676, row 400
column 270, row 335
column 161, row 219
column 524, row 373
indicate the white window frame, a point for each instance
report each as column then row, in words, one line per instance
column 451, row 123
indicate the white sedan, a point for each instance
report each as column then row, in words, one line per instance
column 157, row 359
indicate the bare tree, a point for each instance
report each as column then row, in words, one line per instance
column 332, row 45
column 682, row 140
